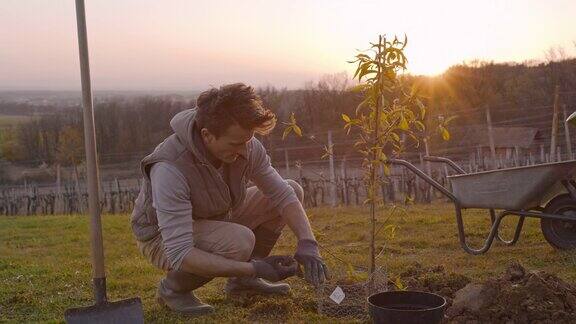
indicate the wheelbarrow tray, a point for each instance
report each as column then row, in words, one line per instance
column 519, row 188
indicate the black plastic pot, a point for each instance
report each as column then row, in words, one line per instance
column 406, row 307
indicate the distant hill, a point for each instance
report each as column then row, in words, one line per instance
column 60, row 99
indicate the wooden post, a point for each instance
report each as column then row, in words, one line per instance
column 344, row 177
column 446, row 174
column 491, row 139
column 419, row 195
column 58, row 179
column 287, row 161
column 567, row 133
column 428, row 171
column 542, row 154
column 332, row 186
column 270, row 149
column 79, row 195
column 300, row 173
column 480, row 158
column 554, row 125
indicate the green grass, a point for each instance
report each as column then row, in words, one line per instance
column 45, row 264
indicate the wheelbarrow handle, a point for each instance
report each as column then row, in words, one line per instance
column 451, row 163
column 424, row 177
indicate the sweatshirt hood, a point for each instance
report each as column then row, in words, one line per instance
column 185, row 127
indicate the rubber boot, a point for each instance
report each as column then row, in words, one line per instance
column 265, row 241
column 175, row 291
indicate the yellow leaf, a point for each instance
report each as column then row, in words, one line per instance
column 286, row 132
column 297, row 130
column 445, row 134
column 386, row 170
column 398, row 283
column 346, row 118
column 449, row 119
column 403, row 124
column 408, row 200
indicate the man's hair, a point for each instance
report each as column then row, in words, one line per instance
column 238, row 103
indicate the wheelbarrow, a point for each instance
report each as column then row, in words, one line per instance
column 546, row 191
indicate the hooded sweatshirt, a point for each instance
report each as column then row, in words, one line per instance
column 180, row 185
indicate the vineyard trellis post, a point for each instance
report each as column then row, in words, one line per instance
column 554, row 124
column 567, row 133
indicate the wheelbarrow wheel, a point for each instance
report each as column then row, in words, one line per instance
column 559, row 233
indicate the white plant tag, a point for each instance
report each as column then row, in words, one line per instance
column 337, row 295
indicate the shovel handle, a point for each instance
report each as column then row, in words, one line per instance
column 96, row 244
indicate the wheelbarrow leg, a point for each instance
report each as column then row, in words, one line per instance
column 516, row 233
column 570, row 185
column 489, row 240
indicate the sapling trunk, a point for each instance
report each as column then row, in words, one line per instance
column 376, row 157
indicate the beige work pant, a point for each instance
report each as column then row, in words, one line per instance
column 233, row 239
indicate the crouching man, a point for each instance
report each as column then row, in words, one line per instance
column 196, row 218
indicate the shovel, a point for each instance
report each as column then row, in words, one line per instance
column 103, row 311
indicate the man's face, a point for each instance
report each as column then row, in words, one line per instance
column 229, row 145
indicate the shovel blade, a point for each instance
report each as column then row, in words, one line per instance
column 124, row 311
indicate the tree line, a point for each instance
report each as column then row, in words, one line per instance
column 131, row 127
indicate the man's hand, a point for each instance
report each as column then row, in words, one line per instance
column 275, row 268
column 308, row 255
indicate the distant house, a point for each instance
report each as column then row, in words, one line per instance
column 505, row 138
column 513, row 145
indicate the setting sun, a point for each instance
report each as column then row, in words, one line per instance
column 149, row 45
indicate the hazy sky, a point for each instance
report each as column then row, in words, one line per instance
column 190, row 45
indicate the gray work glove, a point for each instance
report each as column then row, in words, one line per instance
column 275, row 268
column 308, row 255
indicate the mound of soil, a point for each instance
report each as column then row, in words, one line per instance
column 517, row 296
column 433, row 279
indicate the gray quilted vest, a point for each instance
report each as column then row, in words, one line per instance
column 210, row 195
